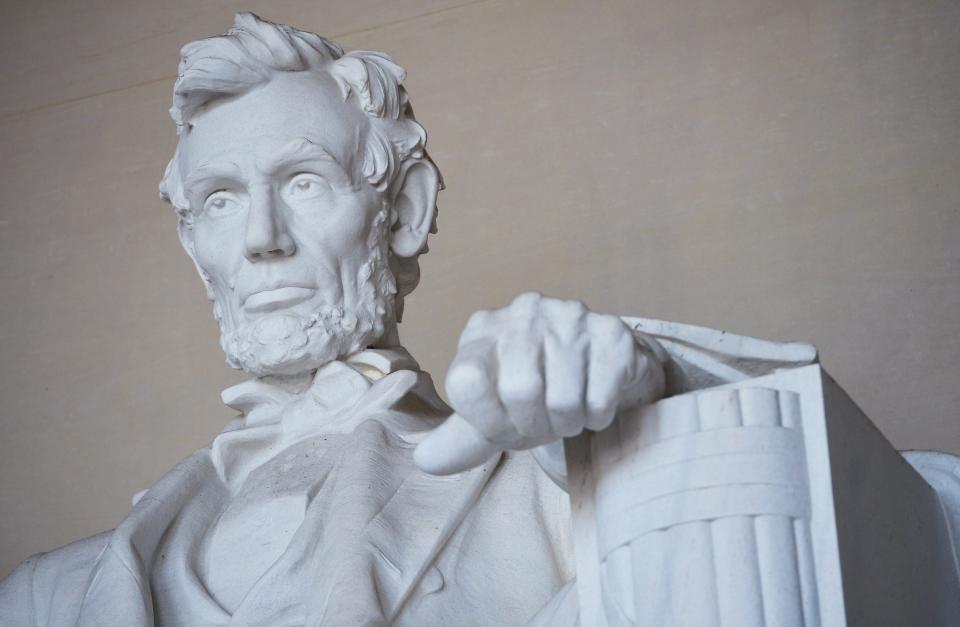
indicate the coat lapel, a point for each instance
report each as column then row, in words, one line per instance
column 120, row 590
column 376, row 523
column 373, row 526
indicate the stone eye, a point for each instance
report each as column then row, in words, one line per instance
column 305, row 186
column 220, row 203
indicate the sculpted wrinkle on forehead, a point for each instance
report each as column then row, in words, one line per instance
column 212, row 170
column 266, row 159
column 303, row 150
column 297, row 149
column 302, row 105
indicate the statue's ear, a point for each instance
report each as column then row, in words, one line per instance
column 413, row 207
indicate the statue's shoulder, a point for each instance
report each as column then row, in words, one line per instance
column 47, row 588
column 700, row 357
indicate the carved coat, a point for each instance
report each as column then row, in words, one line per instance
column 372, row 539
column 323, row 488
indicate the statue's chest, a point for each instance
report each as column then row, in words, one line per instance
column 258, row 523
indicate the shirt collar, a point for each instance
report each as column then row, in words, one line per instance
column 334, row 385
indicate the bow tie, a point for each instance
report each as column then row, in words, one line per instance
column 337, row 400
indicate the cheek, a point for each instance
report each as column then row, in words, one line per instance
column 340, row 226
column 218, row 247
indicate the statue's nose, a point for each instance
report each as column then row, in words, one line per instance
column 266, row 234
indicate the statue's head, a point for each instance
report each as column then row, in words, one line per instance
column 303, row 190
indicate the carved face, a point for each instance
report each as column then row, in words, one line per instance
column 293, row 247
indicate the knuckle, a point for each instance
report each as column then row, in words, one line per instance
column 467, row 380
column 576, row 307
column 564, row 401
column 568, row 311
column 520, row 387
column 479, row 319
column 524, row 307
column 601, row 404
column 571, row 305
column 609, row 342
column 568, row 333
column 527, row 300
column 611, row 327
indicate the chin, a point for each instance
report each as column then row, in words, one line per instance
column 288, row 343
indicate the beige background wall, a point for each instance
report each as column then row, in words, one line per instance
column 785, row 169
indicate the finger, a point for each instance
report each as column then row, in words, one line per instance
column 612, row 363
column 471, row 386
column 520, row 386
column 565, row 362
column 482, row 324
column 453, row 447
column 526, row 304
column 648, row 381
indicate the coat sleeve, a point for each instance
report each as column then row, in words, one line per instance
column 695, row 358
column 16, row 595
column 47, row 589
column 699, row 358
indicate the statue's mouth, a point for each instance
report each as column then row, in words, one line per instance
column 269, row 300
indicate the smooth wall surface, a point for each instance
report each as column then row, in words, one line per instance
column 784, row 169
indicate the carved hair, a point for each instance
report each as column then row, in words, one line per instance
column 253, row 52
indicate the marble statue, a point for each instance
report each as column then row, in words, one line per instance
column 346, row 492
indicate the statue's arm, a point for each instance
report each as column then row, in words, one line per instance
column 542, row 369
column 16, row 595
column 535, row 372
column 551, row 457
column 48, row 588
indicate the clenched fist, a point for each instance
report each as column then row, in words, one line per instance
column 536, row 371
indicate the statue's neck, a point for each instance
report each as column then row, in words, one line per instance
column 300, row 382
column 293, row 383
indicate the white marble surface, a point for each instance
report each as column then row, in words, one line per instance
column 782, row 171
column 771, row 500
column 304, row 196
column 305, row 223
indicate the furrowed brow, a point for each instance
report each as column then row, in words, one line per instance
column 212, row 171
column 300, row 149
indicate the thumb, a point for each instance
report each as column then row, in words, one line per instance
column 453, row 447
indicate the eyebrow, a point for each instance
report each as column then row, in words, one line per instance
column 212, row 171
column 299, row 150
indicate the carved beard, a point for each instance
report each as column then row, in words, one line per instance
column 285, row 342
